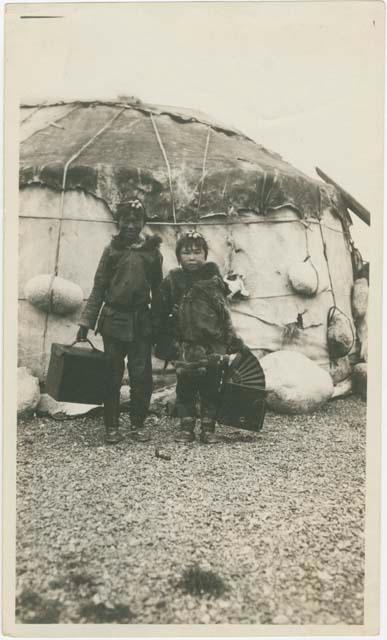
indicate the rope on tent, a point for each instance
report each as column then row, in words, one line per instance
column 286, row 295
column 170, row 224
column 50, row 124
column 253, row 315
column 61, row 209
column 334, row 308
column 204, row 167
column 308, row 257
column 33, row 111
column 274, row 324
column 230, row 222
column 64, row 218
column 325, row 251
column 230, row 241
column 65, row 170
column 306, row 241
column 324, row 246
column 166, row 162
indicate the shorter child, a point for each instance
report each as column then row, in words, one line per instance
column 194, row 296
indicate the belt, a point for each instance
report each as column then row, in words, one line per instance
column 124, row 308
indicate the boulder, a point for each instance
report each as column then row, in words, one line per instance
column 340, row 369
column 47, row 406
column 28, row 391
column 340, row 333
column 362, row 336
column 124, row 394
column 295, row 384
column 303, row 277
column 360, row 298
column 54, row 294
column 165, row 398
column 359, row 380
column 342, row 389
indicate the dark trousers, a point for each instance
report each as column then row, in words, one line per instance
column 191, row 390
column 139, row 363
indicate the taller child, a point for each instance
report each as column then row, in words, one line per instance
column 126, row 285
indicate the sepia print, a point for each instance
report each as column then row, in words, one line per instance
column 192, row 310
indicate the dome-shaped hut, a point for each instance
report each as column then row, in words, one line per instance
column 285, row 233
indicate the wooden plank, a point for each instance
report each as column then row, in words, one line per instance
column 350, row 201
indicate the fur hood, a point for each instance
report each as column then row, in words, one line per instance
column 146, row 242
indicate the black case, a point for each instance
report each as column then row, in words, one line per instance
column 77, row 374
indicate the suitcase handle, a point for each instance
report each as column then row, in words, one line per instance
column 85, row 340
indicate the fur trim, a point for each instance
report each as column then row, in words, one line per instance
column 152, row 242
column 147, row 242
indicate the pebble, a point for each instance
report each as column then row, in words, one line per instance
column 280, row 619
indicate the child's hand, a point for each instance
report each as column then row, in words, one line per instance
column 82, row 334
column 236, row 345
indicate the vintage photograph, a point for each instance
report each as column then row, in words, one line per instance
column 197, row 189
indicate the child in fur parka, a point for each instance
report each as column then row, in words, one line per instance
column 194, row 327
column 126, row 286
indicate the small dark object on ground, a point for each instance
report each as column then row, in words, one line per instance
column 31, row 608
column 60, row 416
column 79, row 579
column 57, row 583
column 100, row 613
column 199, row 582
column 163, row 455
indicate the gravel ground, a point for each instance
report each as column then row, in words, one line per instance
column 108, row 533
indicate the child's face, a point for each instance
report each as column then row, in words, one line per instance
column 130, row 225
column 192, row 257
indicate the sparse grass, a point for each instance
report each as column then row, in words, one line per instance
column 198, row 582
column 82, row 579
column 100, row 613
column 31, row 608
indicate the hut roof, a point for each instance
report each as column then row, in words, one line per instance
column 181, row 163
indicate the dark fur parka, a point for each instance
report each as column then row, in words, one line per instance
column 126, row 282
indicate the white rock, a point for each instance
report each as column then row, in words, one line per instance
column 280, row 619
column 360, row 298
column 342, row 389
column 295, row 384
column 54, row 294
column 340, row 369
column 48, row 406
column 362, row 336
column 304, row 278
column 340, row 333
column 164, row 396
column 124, row 394
column 28, row 390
